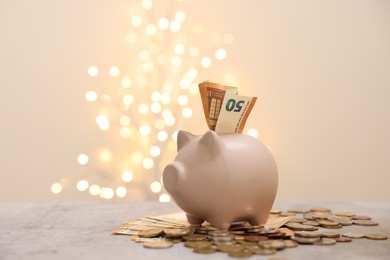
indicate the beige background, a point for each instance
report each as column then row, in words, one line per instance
column 321, row 70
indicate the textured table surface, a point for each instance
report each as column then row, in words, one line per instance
column 82, row 230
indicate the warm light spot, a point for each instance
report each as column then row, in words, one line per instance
column 197, row 29
column 179, row 49
column 82, row 185
column 137, row 157
column 174, row 136
column 82, row 159
column 182, row 100
column 163, row 23
column 164, row 198
column 169, row 120
column 180, row 16
column 93, row 71
column 147, row 163
column 145, row 130
column 121, row 192
column 143, row 55
column 166, row 112
column 185, row 83
column 175, row 26
column 90, row 96
column 147, row 4
column 176, row 61
column 125, row 120
column 114, row 71
column 131, row 37
column 126, row 82
column 56, row 188
column 159, row 124
column 103, row 122
column 151, row 29
column 94, row 190
column 148, row 66
column 154, row 151
column 192, row 72
column 105, row 155
column 127, row 176
column 166, row 98
column 155, row 96
column 253, row 132
column 143, row 109
column 220, row 54
column 205, row 62
column 106, row 193
column 155, row 187
column 228, row 38
column 125, row 132
column 136, row 21
column 187, row 112
column 162, row 136
column 128, row 99
column 194, row 51
column 155, row 107
column 230, row 79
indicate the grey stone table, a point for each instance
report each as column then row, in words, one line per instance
column 82, row 230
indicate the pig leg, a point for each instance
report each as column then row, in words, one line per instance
column 253, row 221
column 220, row 223
column 194, row 221
column 259, row 219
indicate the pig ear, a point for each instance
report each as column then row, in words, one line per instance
column 213, row 142
column 183, row 138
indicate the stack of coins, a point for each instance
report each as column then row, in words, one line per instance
column 317, row 226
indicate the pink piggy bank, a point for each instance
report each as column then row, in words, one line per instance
column 222, row 179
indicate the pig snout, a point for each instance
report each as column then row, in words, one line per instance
column 172, row 175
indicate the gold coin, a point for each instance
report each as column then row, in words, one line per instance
column 174, row 240
column 328, row 223
column 342, row 239
column 326, row 242
column 300, row 227
column 342, row 220
column 305, row 240
column 255, row 238
column 264, row 251
column 155, row 232
column 297, row 220
column 290, row 244
column 310, row 234
column 230, row 248
column 310, row 223
column 330, row 234
column 320, row 209
column 299, row 210
column 237, row 232
column 365, row 223
column 176, row 232
column 353, row 235
column 276, row 244
column 361, row 218
column 219, row 233
column 286, row 214
column 376, row 236
column 205, row 250
column 158, row 244
column 198, row 244
column 275, row 211
column 241, row 254
column 345, row 214
column 194, row 237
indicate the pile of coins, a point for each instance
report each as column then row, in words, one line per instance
column 316, row 226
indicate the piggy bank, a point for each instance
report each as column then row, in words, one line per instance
column 222, row 178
